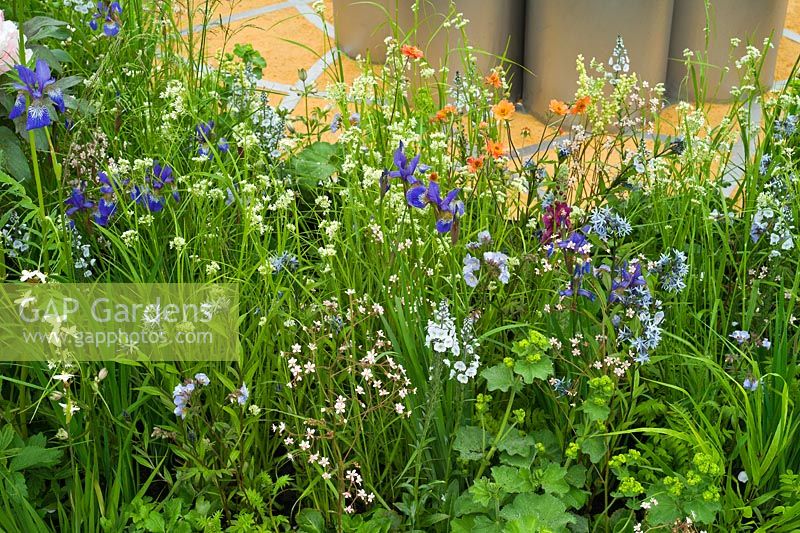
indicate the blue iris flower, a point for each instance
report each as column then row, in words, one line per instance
column 39, row 86
column 78, row 202
column 405, row 168
column 106, row 187
column 110, row 15
column 448, row 209
column 105, row 210
column 143, row 196
column 102, row 210
column 203, row 131
column 575, row 288
column 576, row 242
column 628, row 279
column 205, row 136
column 150, row 194
column 161, row 175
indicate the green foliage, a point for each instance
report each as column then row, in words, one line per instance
column 596, row 373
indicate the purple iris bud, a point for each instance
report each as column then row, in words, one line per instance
column 750, row 384
column 223, row 146
column 384, row 183
column 586, row 294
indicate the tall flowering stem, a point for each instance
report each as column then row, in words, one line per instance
column 40, row 194
column 19, row 4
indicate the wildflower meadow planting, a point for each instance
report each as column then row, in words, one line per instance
column 383, row 313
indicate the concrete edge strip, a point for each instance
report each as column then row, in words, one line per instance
column 236, row 17
column 314, row 73
column 275, row 86
column 310, row 15
column 791, row 35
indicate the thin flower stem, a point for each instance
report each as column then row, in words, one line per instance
column 501, row 433
column 40, row 193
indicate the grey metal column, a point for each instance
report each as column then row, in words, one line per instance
column 496, row 30
column 749, row 20
column 557, row 31
column 362, row 25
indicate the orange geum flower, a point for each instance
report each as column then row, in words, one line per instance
column 558, row 107
column 411, row 51
column 444, row 112
column 495, row 149
column 503, row 110
column 580, row 105
column 494, row 80
column 475, row 164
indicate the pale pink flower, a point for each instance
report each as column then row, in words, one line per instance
column 9, row 44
